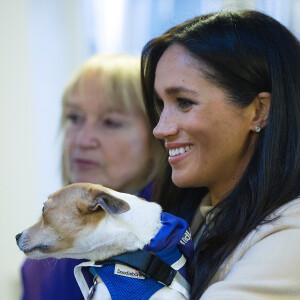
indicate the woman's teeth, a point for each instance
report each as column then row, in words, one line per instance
column 177, row 151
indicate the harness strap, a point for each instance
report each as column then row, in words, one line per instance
column 148, row 263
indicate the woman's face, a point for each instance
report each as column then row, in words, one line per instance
column 209, row 139
column 103, row 145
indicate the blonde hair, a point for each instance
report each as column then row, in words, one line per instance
column 118, row 78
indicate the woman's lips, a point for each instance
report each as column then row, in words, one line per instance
column 85, row 163
column 175, row 159
column 178, row 151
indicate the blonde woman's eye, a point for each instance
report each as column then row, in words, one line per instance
column 74, row 118
column 111, row 123
column 184, row 103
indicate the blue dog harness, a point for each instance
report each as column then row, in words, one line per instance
column 161, row 262
column 138, row 288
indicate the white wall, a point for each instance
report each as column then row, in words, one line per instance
column 42, row 42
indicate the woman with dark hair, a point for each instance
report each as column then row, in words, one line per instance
column 223, row 93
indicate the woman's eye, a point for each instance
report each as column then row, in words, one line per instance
column 111, row 123
column 184, row 103
column 74, row 118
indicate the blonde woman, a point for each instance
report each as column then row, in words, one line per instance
column 107, row 140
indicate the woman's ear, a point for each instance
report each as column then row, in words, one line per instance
column 262, row 105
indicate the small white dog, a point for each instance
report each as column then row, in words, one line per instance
column 89, row 221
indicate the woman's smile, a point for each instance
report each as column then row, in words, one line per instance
column 178, row 152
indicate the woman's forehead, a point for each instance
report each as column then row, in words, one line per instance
column 176, row 70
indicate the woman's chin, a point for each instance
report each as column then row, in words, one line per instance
column 184, row 182
column 179, row 182
column 89, row 179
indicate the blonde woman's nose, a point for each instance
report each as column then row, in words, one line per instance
column 87, row 136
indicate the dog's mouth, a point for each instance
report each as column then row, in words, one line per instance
column 41, row 248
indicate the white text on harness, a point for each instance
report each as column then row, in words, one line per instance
column 186, row 237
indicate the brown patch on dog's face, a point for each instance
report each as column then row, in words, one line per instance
column 71, row 213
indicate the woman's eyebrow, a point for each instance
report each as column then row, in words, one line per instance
column 116, row 110
column 177, row 90
column 72, row 105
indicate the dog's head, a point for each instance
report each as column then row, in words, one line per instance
column 69, row 215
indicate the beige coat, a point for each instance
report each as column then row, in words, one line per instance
column 266, row 265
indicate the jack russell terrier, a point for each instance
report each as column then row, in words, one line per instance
column 134, row 249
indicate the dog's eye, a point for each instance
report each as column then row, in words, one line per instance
column 43, row 209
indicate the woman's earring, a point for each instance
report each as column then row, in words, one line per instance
column 257, row 129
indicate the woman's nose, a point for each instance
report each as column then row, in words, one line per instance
column 166, row 127
column 87, row 136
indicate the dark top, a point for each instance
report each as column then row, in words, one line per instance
column 53, row 279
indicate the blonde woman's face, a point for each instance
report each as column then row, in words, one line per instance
column 103, row 145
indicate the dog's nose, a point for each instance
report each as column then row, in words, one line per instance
column 18, row 236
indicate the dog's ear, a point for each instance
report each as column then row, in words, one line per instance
column 109, row 203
